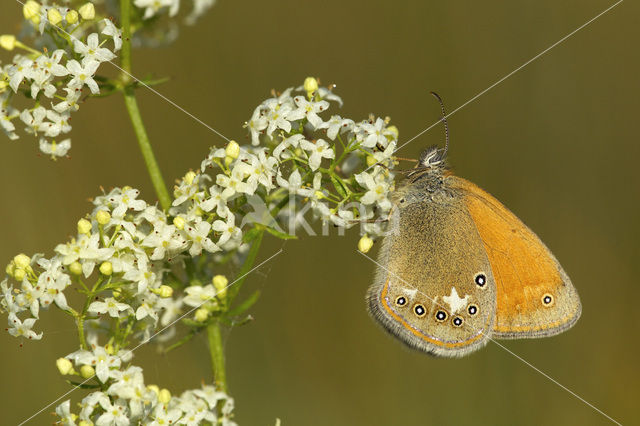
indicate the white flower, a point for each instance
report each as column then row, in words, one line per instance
column 7, row 113
column 64, row 412
column 199, row 237
column 35, row 120
column 29, row 296
column 70, row 103
column 197, row 295
column 293, row 184
column 92, row 52
column 308, row 109
column 336, row 124
column 256, row 124
column 377, row 189
column 112, row 31
column 110, row 305
column 83, row 74
column 59, row 124
column 114, row 414
column 291, row 141
column 229, row 230
column 89, row 403
column 53, row 281
column 216, row 199
column 125, row 200
column 19, row 328
column 261, row 170
column 235, row 182
column 23, row 68
column 55, row 149
column 375, row 133
column 318, row 151
column 172, row 309
column 99, row 359
column 163, row 239
column 147, row 308
column 143, row 277
column 278, row 118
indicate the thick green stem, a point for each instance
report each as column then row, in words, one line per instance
column 134, row 112
column 217, row 356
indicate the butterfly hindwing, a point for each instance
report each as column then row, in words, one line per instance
column 434, row 287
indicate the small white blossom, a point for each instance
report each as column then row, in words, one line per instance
column 308, row 109
column 83, row 74
column 317, row 151
column 19, row 328
column 110, row 305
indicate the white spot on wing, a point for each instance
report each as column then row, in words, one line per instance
column 455, row 302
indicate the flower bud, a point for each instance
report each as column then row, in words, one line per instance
column 85, row 422
column 201, row 315
column 75, row 268
column 10, row 269
column 8, row 41
column 189, row 177
column 87, row 371
column 64, row 366
column 371, row 160
column 394, row 131
column 31, row 9
column 232, row 150
column 87, row 11
column 220, row 283
column 106, row 268
column 154, row 388
column 84, row 226
column 179, row 222
column 19, row 274
column 164, row 291
column 365, row 244
column 310, row 86
column 103, row 217
column 22, row 260
column 164, row 396
column 54, row 16
column 71, row 17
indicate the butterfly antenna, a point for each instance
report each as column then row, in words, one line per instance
column 446, row 126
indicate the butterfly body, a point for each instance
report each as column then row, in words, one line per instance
column 458, row 268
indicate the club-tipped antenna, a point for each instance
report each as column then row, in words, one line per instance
column 446, row 126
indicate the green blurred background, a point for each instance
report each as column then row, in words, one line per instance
column 557, row 143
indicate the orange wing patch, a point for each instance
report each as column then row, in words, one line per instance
column 535, row 296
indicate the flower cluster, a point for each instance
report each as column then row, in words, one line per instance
column 125, row 399
column 51, row 80
column 141, row 268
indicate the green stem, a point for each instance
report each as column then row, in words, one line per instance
column 134, row 112
column 217, row 356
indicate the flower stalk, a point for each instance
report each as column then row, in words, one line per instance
column 134, row 112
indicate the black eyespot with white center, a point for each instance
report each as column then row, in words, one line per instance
column 472, row 309
column 419, row 310
column 441, row 316
column 547, row 300
column 401, row 301
column 457, row 321
column 480, row 280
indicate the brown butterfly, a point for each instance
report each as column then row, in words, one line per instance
column 458, row 268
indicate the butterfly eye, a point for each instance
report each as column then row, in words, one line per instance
column 480, row 280
column 419, row 310
column 457, row 321
column 472, row 309
column 441, row 316
column 401, row 301
column 547, row 300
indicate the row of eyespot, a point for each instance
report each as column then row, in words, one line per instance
column 440, row 315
